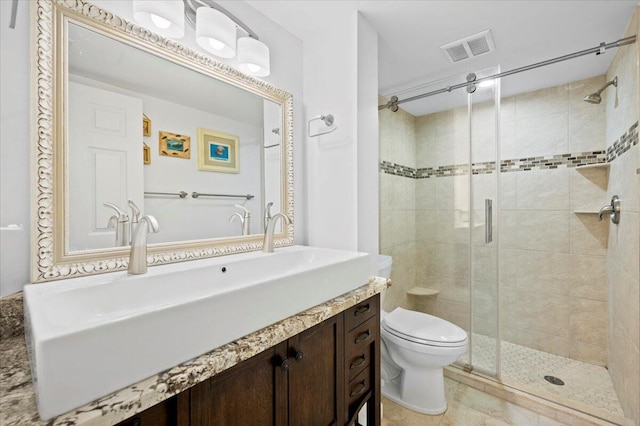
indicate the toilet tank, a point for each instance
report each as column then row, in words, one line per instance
column 384, row 266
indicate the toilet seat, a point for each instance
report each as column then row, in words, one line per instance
column 423, row 329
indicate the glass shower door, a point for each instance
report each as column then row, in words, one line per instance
column 484, row 106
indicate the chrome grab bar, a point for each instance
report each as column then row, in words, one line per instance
column 198, row 194
column 180, row 194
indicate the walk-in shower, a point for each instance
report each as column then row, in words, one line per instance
column 491, row 203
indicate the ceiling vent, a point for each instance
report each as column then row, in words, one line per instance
column 469, row 47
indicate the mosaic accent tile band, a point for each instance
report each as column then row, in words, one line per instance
column 577, row 159
column 623, row 144
column 554, row 161
column 397, row 169
column 442, row 171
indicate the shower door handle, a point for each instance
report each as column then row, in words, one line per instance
column 488, row 220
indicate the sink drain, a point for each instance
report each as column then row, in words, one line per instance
column 554, row 380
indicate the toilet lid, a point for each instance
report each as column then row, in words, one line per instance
column 423, row 328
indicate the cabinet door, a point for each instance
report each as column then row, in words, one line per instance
column 251, row 393
column 316, row 382
column 162, row 414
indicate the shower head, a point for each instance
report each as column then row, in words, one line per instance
column 595, row 98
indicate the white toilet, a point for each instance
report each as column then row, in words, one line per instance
column 415, row 348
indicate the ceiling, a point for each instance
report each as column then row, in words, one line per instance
column 410, row 34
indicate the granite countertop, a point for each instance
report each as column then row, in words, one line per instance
column 17, row 397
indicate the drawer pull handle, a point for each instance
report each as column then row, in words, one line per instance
column 362, row 309
column 299, row 355
column 363, row 337
column 358, row 391
column 360, row 362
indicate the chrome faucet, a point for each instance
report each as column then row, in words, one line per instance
column 135, row 217
column 138, row 255
column 245, row 219
column 120, row 222
column 267, row 244
column 267, row 215
column 613, row 210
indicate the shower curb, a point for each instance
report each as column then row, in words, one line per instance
column 553, row 410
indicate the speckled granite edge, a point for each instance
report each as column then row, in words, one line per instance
column 17, row 398
column 11, row 316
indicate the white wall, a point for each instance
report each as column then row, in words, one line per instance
column 368, row 142
column 340, row 185
column 330, row 87
column 14, row 149
column 286, row 73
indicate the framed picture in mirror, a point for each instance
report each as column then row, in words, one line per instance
column 217, row 152
column 146, row 126
column 174, row 145
column 146, row 153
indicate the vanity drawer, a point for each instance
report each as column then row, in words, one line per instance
column 359, row 386
column 357, row 362
column 361, row 312
column 360, row 338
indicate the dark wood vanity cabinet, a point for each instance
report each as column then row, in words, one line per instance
column 247, row 394
column 362, row 360
column 165, row 413
column 322, row 376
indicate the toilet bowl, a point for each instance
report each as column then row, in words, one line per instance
column 415, row 349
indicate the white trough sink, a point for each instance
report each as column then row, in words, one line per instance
column 91, row 336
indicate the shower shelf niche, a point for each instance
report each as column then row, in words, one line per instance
column 422, row 291
column 594, row 166
column 604, row 168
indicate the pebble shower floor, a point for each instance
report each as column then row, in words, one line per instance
column 585, row 383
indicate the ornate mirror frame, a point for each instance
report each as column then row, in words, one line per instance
column 48, row 39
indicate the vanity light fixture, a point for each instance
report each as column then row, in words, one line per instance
column 215, row 32
column 253, row 57
column 215, row 28
column 167, row 17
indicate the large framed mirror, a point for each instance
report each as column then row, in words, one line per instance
column 127, row 123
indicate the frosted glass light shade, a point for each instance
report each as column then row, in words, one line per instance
column 163, row 17
column 215, row 32
column 253, row 57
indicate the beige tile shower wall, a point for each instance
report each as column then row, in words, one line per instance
column 442, row 218
column 398, row 204
column 624, row 238
column 553, row 252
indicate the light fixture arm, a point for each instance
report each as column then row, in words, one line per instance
column 190, row 7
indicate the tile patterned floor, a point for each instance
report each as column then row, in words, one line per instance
column 466, row 407
column 585, row 383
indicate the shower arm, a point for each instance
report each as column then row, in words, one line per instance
column 613, row 82
column 597, row 50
